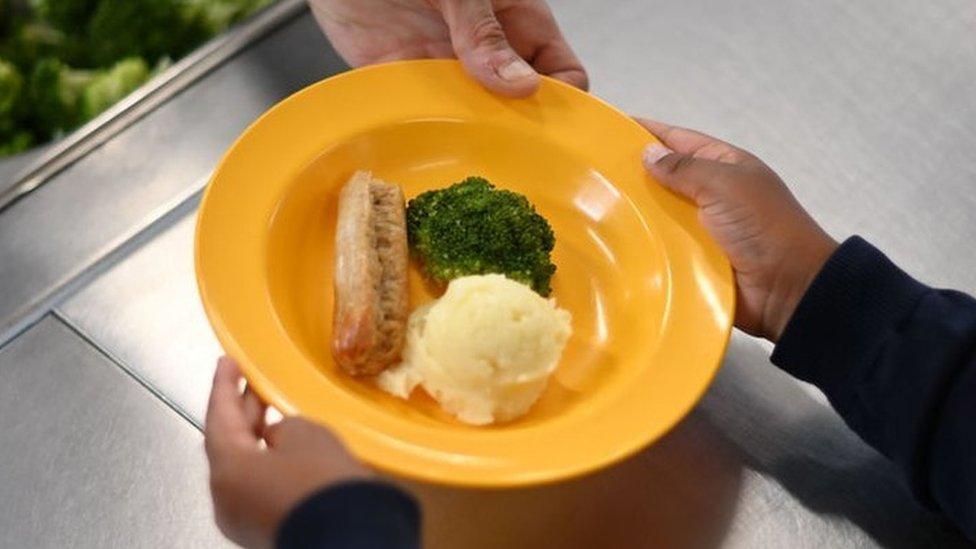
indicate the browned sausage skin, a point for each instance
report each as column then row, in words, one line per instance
column 370, row 317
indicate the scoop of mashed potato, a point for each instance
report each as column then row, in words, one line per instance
column 484, row 350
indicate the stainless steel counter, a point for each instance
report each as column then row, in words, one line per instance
column 88, row 457
column 865, row 108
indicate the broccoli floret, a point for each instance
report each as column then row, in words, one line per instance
column 150, row 29
column 12, row 12
column 11, row 90
column 55, row 91
column 217, row 15
column 70, row 16
column 13, row 107
column 18, row 142
column 473, row 228
column 30, row 41
column 64, row 98
column 112, row 85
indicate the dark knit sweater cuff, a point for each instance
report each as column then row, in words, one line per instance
column 353, row 514
column 852, row 303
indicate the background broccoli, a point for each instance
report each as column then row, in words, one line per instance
column 63, row 97
column 149, row 29
column 11, row 91
column 13, row 105
column 108, row 87
column 473, row 228
column 216, row 15
column 67, row 15
column 81, row 56
column 27, row 42
column 19, row 141
column 55, row 93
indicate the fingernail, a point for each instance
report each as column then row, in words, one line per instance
column 516, row 69
column 653, row 153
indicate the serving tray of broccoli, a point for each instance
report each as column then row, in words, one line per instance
column 62, row 62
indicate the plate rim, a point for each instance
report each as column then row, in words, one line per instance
column 262, row 384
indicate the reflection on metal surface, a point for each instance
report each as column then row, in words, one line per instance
column 33, row 309
column 685, row 491
column 146, row 312
column 816, row 484
column 89, row 458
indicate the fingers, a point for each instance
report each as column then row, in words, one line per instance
column 294, row 436
column 689, row 162
column 576, row 77
column 294, row 431
column 287, row 432
column 681, row 140
column 254, row 411
column 683, row 173
column 226, row 425
column 534, row 33
column 697, row 144
column 481, row 45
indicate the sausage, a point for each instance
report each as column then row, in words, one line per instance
column 371, row 303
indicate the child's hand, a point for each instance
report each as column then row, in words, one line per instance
column 254, row 488
column 775, row 247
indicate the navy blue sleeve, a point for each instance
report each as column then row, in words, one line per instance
column 353, row 515
column 897, row 360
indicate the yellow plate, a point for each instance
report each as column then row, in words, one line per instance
column 650, row 294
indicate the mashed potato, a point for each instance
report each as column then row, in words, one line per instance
column 484, row 350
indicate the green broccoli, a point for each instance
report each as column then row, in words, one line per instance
column 110, row 86
column 11, row 91
column 70, row 16
column 473, row 228
column 5, row 19
column 55, row 92
column 13, row 107
column 80, row 56
column 17, row 142
column 217, row 15
column 150, row 29
column 30, row 41
column 12, row 12
column 64, row 98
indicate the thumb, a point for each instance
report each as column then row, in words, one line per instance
column 682, row 173
column 480, row 43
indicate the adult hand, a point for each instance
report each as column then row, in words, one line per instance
column 504, row 44
column 254, row 487
column 775, row 247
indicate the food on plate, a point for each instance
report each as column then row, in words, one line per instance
column 473, row 228
column 484, row 350
column 371, row 257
